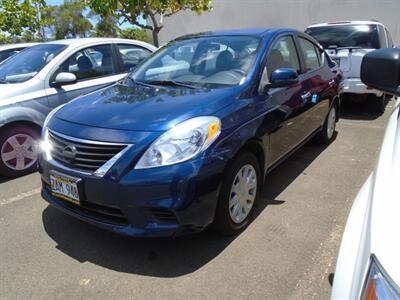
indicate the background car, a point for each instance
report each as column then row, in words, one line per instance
column 186, row 140
column 368, row 265
column 347, row 42
column 42, row 77
column 9, row 50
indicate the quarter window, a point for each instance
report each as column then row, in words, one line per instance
column 283, row 55
column 132, row 55
column 311, row 55
column 90, row 63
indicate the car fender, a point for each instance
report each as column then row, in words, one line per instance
column 21, row 114
column 354, row 252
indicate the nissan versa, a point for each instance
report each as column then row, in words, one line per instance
column 186, row 139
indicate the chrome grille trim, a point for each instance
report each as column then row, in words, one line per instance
column 91, row 156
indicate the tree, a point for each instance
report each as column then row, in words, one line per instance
column 135, row 34
column 68, row 20
column 155, row 10
column 106, row 26
column 19, row 18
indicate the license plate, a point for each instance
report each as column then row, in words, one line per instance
column 65, row 187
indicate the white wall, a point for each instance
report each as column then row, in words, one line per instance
column 227, row 14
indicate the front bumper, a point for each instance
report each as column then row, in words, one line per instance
column 355, row 86
column 165, row 201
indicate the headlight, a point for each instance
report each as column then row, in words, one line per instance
column 45, row 144
column 181, row 142
column 379, row 285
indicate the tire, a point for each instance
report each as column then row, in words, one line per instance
column 379, row 104
column 227, row 222
column 327, row 134
column 18, row 150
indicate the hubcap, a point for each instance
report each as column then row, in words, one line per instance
column 19, row 152
column 243, row 193
column 331, row 122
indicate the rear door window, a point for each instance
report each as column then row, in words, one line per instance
column 132, row 55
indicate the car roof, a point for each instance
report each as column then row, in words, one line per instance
column 16, row 46
column 247, row 31
column 84, row 41
column 341, row 23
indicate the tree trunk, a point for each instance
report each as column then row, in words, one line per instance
column 155, row 33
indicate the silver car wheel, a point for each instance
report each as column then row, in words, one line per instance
column 243, row 193
column 19, row 152
column 331, row 126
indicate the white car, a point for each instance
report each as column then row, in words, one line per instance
column 9, row 50
column 42, row 77
column 368, row 265
column 347, row 42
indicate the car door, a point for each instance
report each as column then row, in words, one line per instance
column 318, row 84
column 287, row 103
column 95, row 67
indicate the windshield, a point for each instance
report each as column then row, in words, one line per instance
column 206, row 61
column 26, row 64
column 362, row 36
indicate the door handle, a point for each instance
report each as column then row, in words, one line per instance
column 306, row 96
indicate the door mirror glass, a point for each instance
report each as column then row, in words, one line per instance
column 64, row 78
column 380, row 69
column 283, row 77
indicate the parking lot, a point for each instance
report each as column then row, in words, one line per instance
column 288, row 252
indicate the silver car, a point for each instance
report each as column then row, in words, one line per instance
column 42, row 77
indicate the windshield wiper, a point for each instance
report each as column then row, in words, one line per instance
column 170, row 83
column 2, row 80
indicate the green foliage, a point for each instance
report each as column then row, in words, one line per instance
column 19, row 17
column 68, row 20
column 135, row 34
column 106, row 27
column 155, row 10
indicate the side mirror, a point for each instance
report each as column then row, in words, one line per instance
column 283, row 77
column 380, row 69
column 64, row 78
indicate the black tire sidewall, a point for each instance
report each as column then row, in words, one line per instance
column 9, row 131
column 223, row 222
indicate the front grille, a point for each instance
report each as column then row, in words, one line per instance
column 87, row 155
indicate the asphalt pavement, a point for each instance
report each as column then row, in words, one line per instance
column 287, row 252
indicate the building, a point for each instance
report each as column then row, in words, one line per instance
column 228, row 14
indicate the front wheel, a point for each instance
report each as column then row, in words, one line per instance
column 18, row 150
column 238, row 194
column 327, row 134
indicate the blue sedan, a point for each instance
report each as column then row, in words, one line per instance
column 186, row 139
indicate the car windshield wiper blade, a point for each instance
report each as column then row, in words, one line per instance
column 134, row 81
column 171, row 83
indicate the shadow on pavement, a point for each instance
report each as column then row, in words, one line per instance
column 163, row 257
column 364, row 111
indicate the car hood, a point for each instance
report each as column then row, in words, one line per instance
column 144, row 108
column 385, row 201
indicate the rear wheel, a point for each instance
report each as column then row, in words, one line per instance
column 18, row 150
column 379, row 103
column 238, row 195
column 327, row 134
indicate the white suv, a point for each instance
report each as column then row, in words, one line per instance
column 346, row 43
